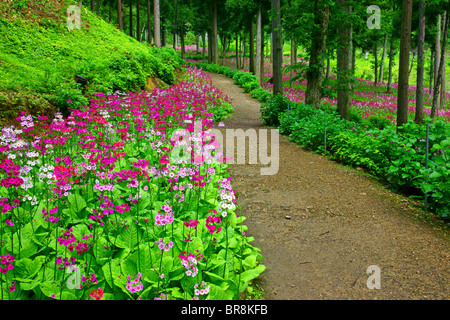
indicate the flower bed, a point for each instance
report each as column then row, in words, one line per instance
column 93, row 208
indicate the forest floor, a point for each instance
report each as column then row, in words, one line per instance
column 320, row 225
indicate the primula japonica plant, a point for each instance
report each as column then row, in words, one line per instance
column 92, row 207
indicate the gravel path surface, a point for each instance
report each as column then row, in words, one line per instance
column 320, row 225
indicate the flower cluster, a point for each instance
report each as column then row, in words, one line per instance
column 162, row 245
column 189, row 262
column 135, row 285
column 96, row 294
column 49, row 216
column 201, row 290
column 210, row 224
column 7, row 261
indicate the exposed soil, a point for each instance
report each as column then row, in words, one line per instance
column 320, row 225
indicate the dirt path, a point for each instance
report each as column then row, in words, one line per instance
column 320, row 225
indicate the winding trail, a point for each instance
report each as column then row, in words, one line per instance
column 320, row 225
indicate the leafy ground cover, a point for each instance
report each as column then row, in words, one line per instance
column 93, row 207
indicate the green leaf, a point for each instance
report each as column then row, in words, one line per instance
column 77, row 203
column 28, row 268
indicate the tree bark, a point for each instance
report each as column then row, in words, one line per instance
column 380, row 78
column 138, row 22
column 259, row 45
column 439, row 79
column 420, row 64
column 237, row 50
column 278, row 51
column 344, row 53
column 252, row 47
column 443, row 84
column 391, row 60
column 119, row 15
column 318, row 47
column 157, row 23
column 131, row 18
column 203, row 45
column 215, row 42
column 403, row 86
column 182, row 38
column 92, row 5
column 375, row 54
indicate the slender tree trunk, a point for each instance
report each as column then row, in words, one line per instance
column 443, row 84
column 214, row 37
column 391, row 60
column 327, row 75
column 93, row 5
column 182, row 38
column 344, row 53
column 131, row 18
column 293, row 61
column 119, row 15
column 138, row 22
column 439, row 79
column 156, row 22
column 237, row 50
column 376, row 61
column 420, row 64
column 403, row 86
column 380, row 78
column 431, row 70
column 267, row 45
column 318, row 47
column 210, row 48
column 271, row 47
column 278, row 51
column 252, row 47
column 203, row 45
column 259, row 45
column 412, row 62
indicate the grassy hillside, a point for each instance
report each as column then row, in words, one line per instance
column 39, row 58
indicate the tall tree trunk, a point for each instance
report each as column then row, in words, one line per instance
column 327, row 75
column 344, row 53
column 119, row 15
column 278, row 51
column 252, row 47
column 131, row 18
column 293, row 60
column 431, row 70
column 92, row 5
column 318, row 47
column 403, row 86
column 259, row 45
column 215, row 41
column 439, row 79
column 138, row 22
column 210, row 48
column 237, row 50
column 182, row 38
column 375, row 54
column 380, row 78
column 149, row 21
column 420, row 63
column 412, row 62
column 175, row 26
column 391, row 60
column 203, row 45
column 443, row 84
column 271, row 47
